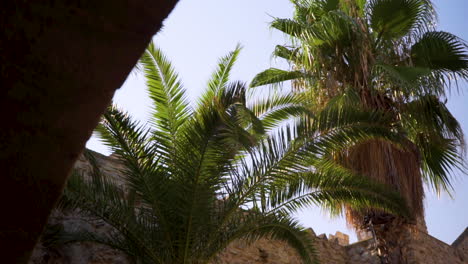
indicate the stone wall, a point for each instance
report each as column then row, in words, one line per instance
column 424, row 248
column 461, row 243
column 334, row 249
column 77, row 253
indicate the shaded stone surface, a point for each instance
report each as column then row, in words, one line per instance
column 461, row 243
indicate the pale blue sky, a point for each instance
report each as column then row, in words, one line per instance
column 198, row 32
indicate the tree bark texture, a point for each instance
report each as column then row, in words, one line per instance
column 60, row 63
column 393, row 242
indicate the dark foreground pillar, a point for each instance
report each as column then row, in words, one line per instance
column 60, row 63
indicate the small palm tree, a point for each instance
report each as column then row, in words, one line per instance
column 198, row 179
column 381, row 55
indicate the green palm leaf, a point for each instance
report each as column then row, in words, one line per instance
column 290, row 54
column 441, row 51
column 439, row 137
column 288, row 26
column 396, row 18
column 306, row 10
column 220, row 76
column 274, row 75
column 170, row 106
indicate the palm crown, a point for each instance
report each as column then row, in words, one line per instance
column 199, row 178
column 381, row 55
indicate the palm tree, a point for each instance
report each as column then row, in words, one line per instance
column 381, row 55
column 199, row 178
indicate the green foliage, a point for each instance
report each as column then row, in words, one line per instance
column 274, row 75
column 170, row 106
column 198, row 179
column 396, row 18
column 388, row 53
column 439, row 137
column 441, row 51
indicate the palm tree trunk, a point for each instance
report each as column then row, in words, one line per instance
column 398, row 167
column 393, row 241
column 61, row 62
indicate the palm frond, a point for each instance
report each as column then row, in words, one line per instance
column 273, row 75
column 332, row 186
column 124, row 136
column 441, row 51
column 282, row 165
column 288, row 26
column 404, row 75
column 170, row 109
column 307, row 10
column 440, row 139
column 333, row 29
column 277, row 108
column 220, row 76
column 392, row 19
column 100, row 197
column 289, row 54
column 440, row 158
column 427, row 114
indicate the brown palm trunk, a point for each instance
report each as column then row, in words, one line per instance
column 398, row 167
column 60, row 63
column 393, row 241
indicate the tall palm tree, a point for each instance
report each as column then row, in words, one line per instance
column 381, row 55
column 199, row 178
